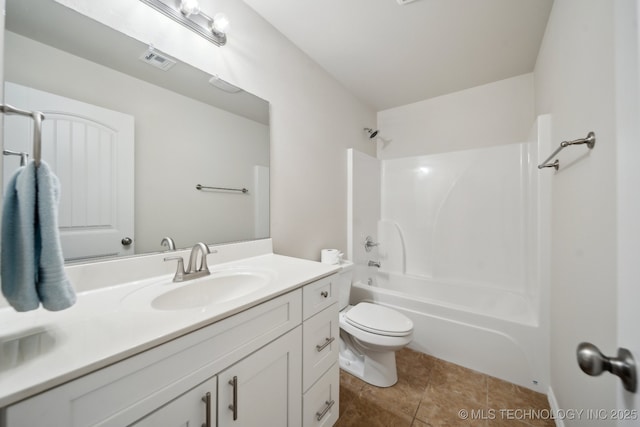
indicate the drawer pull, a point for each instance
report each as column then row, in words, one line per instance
column 319, row 415
column 327, row 341
column 234, row 406
column 207, row 401
column 324, row 294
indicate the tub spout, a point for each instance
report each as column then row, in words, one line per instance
column 374, row 264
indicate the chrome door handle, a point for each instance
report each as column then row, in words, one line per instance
column 593, row 362
column 126, row 241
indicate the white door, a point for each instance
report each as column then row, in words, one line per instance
column 628, row 146
column 91, row 150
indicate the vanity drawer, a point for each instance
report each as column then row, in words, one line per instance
column 323, row 400
column 320, row 344
column 319, row 295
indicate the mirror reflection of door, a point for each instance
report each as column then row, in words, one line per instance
column 91, row 150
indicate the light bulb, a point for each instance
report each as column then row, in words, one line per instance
column 220, row 23
column 189, row 7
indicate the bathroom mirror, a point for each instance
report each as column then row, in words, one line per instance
column 130, row 132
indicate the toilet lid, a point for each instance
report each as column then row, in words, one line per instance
column 379, row 320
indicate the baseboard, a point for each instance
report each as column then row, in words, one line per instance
column 553, row 404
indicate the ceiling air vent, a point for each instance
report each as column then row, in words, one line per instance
column 157, row 59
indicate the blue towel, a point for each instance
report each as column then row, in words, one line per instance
column 32, row 261
column 18, row 241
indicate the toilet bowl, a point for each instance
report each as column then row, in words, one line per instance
column 370, row 334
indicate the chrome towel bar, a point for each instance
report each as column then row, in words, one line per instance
column 590, row 140
column 37, row 117
column 204, row 187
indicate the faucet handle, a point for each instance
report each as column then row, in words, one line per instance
column 369, row 243
column 179, row 276
column 169, row 243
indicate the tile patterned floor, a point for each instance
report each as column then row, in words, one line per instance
column 433, row 393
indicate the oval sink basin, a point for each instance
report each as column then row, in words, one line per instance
column 209, row 290
column 217, row 288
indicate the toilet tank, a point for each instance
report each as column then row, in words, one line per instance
column 345, row 276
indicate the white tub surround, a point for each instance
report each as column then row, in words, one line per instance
column 463, row 252
column 40, row 350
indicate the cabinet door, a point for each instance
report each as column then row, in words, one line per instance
column 196, row 407
column 264, row 389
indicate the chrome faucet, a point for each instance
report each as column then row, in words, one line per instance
column 374, row 264
column 193, row 271
column 193, row 259
column 169, row 243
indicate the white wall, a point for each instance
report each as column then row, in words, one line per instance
column 574, row 79
column 313, row 118
column 493, row 114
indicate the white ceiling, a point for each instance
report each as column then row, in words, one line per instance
column 390, row 55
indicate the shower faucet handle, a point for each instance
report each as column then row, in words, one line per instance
column 369, row 243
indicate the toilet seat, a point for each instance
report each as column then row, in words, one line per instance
column 380, row 320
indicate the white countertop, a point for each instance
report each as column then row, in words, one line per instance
column 42, row 349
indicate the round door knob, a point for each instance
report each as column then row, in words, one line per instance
column 591, row 359
column 126, row 241
column 593, row 362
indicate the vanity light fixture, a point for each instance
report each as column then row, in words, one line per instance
column 188, row 13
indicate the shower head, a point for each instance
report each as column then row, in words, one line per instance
column 372, row 132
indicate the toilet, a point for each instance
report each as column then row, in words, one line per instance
column 370, row 335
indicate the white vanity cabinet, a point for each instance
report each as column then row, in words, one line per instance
column 320, row 346
column 261, row 389
column 274, row 364
column 163, row 378
column 196, row 407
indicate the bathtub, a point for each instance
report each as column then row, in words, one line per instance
column 488, row 330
